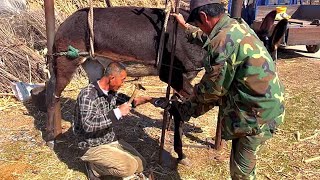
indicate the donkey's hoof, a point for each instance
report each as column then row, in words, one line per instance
column 184, row 161
column 50, row 144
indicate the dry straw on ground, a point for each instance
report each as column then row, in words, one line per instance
column 18, row 60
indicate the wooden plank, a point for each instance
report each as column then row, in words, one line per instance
column 302, row 12
column 300, row 33
column 299, row 21
column 306, row 35
column 262, row 11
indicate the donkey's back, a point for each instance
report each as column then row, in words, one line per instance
column 120, row 33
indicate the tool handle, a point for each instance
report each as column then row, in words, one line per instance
column 133, row 96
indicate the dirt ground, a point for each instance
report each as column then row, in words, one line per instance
column 293, row 153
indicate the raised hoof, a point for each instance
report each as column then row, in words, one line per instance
column 50, row 144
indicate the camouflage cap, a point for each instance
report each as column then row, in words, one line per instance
column 198, row 3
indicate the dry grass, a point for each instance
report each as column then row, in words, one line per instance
column 69, row 6
column 19, row 36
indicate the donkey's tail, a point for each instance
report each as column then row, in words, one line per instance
column 278, row 33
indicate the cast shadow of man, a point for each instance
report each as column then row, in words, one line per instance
column 134, row 129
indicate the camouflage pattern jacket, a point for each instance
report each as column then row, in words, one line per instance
column 241, row 77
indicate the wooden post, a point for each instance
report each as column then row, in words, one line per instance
column 236, row 8
column 218, row 142
column 53, row 125
column 50, row 23
column 166, row 114
column 108, row 3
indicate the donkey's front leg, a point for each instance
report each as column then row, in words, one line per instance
column 53, row 112
column 62, row 74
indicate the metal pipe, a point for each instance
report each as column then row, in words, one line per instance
column 236, row 8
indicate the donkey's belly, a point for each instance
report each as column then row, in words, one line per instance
column 140, row 70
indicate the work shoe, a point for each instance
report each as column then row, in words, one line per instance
column 90, row 173
column 136, row 176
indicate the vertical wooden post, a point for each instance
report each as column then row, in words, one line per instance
column 236, row 8
column 108, row 3
column 53, row 125
column 50, row 23
column 166, row 114
column 218, row 141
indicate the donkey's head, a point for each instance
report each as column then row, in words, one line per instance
column 272, row 42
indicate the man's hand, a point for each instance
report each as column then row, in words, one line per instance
column 125, row 109
column 180, row 20
column 141, row 100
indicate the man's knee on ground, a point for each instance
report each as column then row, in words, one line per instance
column 108, row 160
column 124, row 170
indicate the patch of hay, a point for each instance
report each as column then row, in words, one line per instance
column 18, row 62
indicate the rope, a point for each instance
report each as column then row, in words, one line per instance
column 90, row 23
column 72, row 53
column 164, row 30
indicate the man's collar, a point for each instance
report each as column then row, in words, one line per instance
column 224, row 18
column 100, row 92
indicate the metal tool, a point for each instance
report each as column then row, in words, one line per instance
column 135, row 91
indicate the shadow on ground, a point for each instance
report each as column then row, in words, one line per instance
column 293, row 53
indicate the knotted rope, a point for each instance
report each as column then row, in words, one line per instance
column 90, row 23
column 167, row 11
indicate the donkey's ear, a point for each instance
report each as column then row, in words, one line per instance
column 278, row 33
column 268, row 21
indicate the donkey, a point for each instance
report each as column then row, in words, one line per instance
column 123, row 34
column 272, row 42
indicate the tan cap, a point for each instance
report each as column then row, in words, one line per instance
column 198, row 3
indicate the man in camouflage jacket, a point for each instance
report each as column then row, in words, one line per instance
column 240, row 76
